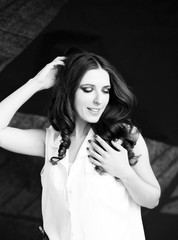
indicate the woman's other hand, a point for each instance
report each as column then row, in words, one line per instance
column 47, row 76
column 114, row 162
column 139, row 180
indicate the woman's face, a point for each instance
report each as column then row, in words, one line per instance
column 92, row 95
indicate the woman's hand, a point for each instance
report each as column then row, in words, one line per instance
column 47, row 76
column 139, row 180
column 114, row 162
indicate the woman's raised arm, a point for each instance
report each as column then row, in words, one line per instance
column 26, row 141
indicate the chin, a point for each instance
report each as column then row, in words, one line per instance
column 93, row 120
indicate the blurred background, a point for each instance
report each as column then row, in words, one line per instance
column 140, row 38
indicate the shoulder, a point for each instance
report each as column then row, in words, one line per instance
column 133, row 131
column 53, row 136
column 137, row 137
column 140, row 147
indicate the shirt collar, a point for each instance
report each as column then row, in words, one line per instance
column 82, row 153
column 58, row 138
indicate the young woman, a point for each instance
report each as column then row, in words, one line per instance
column 97, row 173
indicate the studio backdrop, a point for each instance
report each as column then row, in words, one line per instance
column 138, row 37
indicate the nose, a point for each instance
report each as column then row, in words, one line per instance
column 97, row 99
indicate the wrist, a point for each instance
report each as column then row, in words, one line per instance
column 130, row 175
column 35, row 85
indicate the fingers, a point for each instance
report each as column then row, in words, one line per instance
column 105, row 146
column 97, row 148
column 95, row 162
column 59, row 58
column 94, row 155
column 58, row 61
column 102, row 143
column 117, row 145
column 101, row 152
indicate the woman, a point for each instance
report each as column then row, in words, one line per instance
column 97, row 172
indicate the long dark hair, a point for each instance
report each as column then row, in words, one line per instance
column 115, row 121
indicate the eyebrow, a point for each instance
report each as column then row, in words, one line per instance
column 92, row 85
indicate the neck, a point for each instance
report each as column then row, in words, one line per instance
column 81, row 130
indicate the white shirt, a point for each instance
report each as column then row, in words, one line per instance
column 82, row 204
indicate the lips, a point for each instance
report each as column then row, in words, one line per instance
column 94, row 110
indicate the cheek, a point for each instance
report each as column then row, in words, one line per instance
column 82, row 100
column 106, row 99
column 79, row 102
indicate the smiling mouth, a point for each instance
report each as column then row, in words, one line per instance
column 94, row 110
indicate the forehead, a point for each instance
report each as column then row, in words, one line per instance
column 95, row 77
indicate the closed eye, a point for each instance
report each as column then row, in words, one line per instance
column 106, row 89
column 87, row 89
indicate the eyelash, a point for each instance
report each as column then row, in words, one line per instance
column 106, row 91
column 88, row 90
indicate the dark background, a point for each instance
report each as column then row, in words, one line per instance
column 140, row 39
